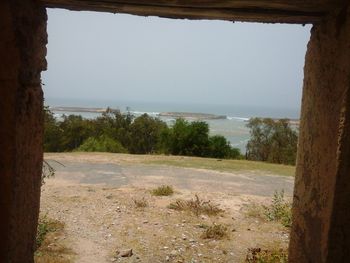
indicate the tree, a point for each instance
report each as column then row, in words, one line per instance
column 75, row 130
column 52, row 132
column 145, row 132
column 272, row 141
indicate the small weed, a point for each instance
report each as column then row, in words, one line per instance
column 279, row 210
column 45, row 225
column 48, row 246
column 196, row 206
column 258, row 255
column 216, row 231
column 163, row 190
column 140, row 203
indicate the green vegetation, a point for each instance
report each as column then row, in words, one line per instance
column 120, row 132
column 163, row 190
column 279, row 210
column 49, row 247
column 101, row 144
column 216, row 231
column 258, row 255
column 196, row 206
column 44, row 226
column 272, row 141
column 226, row 165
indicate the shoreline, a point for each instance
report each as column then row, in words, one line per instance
column 184, row 115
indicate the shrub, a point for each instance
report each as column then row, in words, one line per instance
column 279, row 210
column 196, row 206
column 101, row 144
column 163, row 190
column 216, row 231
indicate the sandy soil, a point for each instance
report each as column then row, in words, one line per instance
column 93, row 195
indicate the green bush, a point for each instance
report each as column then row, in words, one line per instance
column 279, row 210
column 101, row 144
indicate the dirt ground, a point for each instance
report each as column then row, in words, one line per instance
column 93, row 195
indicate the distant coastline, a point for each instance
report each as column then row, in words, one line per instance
column 184, row 115
column 191, row 115
column 79, row 109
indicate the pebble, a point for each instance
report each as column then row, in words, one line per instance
column 126, row 253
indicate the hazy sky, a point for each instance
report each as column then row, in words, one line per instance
column 101, row 56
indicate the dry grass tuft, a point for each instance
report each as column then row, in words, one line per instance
column 196, row 206
column 140, row 203
column 258, row 255
column 163, row 190
column 216, row 231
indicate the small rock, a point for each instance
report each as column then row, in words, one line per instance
column 184, row 237
column 145, row 221
column 126, row 253
column 167, row 258
column 173, row 253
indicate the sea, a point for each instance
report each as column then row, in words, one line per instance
column 233, row 128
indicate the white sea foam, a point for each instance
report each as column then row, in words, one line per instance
column 145, row 112
column 237, row 118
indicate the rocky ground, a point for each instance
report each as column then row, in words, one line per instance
column 103, row 224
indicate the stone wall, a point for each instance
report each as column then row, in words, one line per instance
column 322, row 177
column 22, row 55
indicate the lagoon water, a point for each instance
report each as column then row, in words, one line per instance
column 233, row 127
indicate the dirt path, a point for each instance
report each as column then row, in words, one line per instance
column 95, row 201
